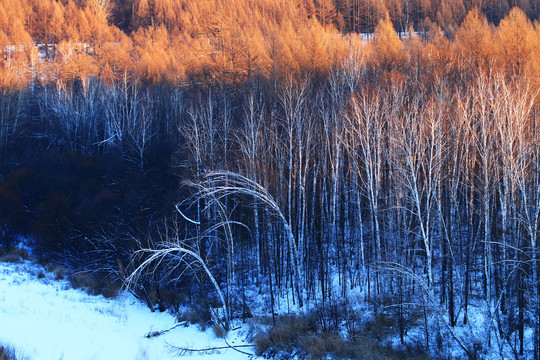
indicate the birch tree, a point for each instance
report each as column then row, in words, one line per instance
column 222, row 184
column 250, row 140
column 525, row 175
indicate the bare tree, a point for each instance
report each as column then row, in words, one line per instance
column 484, row 144
column 173, row 252
column 518, row 101
column 76, row 113
column 221, row 184
column 293, row 100
column 416, row 140
column 129, row 126
column 250, row 140
column 12, row 103
column 366, row 126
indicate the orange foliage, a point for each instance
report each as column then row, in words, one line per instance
column 388, row 48
column 216, row 40
column 153, row 60
column 117, row 56
column 515, row 42
column 474, row 41
column 74, row 63
column 438, row 52
column 534, row 69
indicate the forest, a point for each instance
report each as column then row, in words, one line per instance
column 361, row 171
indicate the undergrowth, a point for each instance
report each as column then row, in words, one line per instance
column 303, row 336
column 13, row 255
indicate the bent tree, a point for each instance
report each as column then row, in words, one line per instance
column 174, row 253
column 218, row 185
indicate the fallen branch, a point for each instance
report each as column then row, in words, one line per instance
column 158, row 333
column 234, row 347
column 183, row 350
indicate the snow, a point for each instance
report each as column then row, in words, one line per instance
column 47, row 319
column 42, row 318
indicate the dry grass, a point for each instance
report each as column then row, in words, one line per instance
column 380, row 326
column 300, row 335
column 171, row 298
column 286, row 335
column 369, row 349
column 196, row 315
column 219, row 331
column 14, row 255
column 58, row 270
column 10, row 258
column 320, row 346
column 84, row 280
column 95, row 284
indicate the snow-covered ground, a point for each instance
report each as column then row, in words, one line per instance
column 43, row 319
column 47, row 319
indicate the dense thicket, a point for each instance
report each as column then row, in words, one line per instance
column 305, row 165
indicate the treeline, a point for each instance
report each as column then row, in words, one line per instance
column 191, row 41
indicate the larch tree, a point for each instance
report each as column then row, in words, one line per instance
column 474, row 42
column 98, row 13
column 142, row 15
column 326, row 12
column 389, row 49
column 515, row 38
